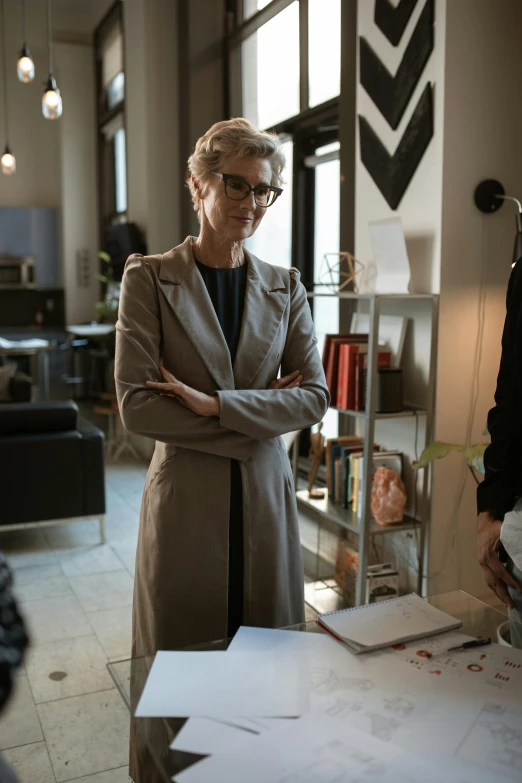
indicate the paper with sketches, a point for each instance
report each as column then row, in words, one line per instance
column 390, row 256
column 224, row 684
column 318, row 749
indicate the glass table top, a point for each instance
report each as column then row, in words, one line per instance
column 478, row 619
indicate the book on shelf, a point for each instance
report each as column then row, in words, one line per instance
column 381, row 459
column 348, row 353
column 331, row 350
column 333, row 448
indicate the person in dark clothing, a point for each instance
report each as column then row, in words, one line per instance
column 499, row 496
column 13, row 643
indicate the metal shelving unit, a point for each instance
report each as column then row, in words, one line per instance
column 363, row 524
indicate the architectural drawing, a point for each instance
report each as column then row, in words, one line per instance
column 382, row 727
column 494, row 741
column 325, row 681
column 400, row 705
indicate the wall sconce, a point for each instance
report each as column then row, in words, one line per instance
column 489, row 197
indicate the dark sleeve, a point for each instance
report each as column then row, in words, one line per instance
column 502, row 460
column 13, row 636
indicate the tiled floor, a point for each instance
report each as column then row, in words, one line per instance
column 66, row 721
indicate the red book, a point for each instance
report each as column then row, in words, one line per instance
column 332, row 364
column 342, row 377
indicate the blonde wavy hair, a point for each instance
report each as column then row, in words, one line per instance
column 237, row 137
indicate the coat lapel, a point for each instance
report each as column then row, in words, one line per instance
column 265, row 301
column 185, row 290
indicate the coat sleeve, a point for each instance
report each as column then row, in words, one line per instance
column 138, row 350
column 502, row 463
column 267, row 413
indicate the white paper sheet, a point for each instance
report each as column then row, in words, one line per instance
column 390, row 256
column 207, row 736
column 318, row 749
column 332, row 669
column 223, row 685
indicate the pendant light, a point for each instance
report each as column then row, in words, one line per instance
column 7, row 162
column 25, row 64
column 51, row 101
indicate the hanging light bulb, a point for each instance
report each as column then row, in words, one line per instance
column 25, row 64
column 8, row 161
column 52, row 100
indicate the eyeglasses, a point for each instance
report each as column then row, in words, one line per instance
column 237, row 189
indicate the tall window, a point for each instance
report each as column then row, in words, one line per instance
column 273, row 240
column 112, row 159
column 284, row 75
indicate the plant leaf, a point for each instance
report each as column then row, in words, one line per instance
column 474, row 456
column 104, row 256
column 436, row 450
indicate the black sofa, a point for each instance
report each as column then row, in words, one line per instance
column 51, row 466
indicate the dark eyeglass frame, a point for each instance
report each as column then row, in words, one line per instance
column 227, row 177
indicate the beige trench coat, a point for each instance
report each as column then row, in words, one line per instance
column 166, row 316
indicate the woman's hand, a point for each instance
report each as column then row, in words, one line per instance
column 197, row 402
column 291, row 381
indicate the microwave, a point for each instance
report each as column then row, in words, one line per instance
column 17, row 272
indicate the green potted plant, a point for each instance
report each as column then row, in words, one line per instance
column 473, row 455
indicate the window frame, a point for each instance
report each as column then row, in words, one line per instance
column 302, row 127
column 104, row 116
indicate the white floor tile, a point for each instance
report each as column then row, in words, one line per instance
column 86, row 734
column 31, row 763
column 80, row 533
column 24, row 548
column 129, row 561
column 116, row 530
column 103, row 591
column 93, row 560
column 111, row 776
column 113, row 627
column 26, row 559
column 55, row 619
column 38, row 582
column 72, row 667
column 19, row 724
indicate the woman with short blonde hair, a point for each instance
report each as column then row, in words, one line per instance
column 203, row 331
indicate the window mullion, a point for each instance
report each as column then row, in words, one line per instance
column 303, row 55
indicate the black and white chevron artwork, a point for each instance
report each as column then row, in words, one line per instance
column 392, row 95
column 392, row 173
column 392, row 20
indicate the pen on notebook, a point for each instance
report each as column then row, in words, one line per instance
column 466, row 646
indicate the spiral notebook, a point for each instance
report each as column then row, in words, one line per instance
column 395, row 621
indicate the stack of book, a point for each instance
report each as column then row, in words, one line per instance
column 344, row 468
column 345, row 362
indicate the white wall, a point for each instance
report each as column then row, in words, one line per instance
column 420, row 208
column 152, row 119
column 56, row 160
column 478, row 124
column 75, row 71
column 420, row 212
column 482, row 131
